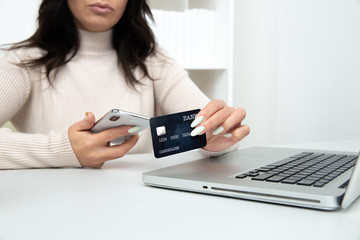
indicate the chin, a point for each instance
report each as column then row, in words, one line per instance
column 98, row 25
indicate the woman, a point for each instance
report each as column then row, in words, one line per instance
column 94, row 56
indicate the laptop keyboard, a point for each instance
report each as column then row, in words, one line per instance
column 306, row 168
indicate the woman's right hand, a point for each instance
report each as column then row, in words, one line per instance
column 93, row 149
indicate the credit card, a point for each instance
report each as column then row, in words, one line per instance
column 171, row 134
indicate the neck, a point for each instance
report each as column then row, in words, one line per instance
column 95, row 42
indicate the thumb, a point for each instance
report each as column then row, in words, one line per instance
column 85, row 124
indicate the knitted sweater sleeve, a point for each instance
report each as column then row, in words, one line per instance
column 25, row 150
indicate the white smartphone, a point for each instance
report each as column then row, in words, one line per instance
column 116, row 118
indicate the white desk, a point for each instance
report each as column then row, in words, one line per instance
column 113, row 203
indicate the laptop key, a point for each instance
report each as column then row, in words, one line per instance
column 319, row 184
column 290, row 180
column 275, row 179
column 264, row 169
column 253, row 174
column 242, row 176
column 303, row 154
column 262, row 177
column 306, row 182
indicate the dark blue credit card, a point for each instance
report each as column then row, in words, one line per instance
column 171, row 134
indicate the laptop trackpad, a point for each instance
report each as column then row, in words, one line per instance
column 228, row 164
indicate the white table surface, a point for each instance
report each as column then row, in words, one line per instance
column 113, row 203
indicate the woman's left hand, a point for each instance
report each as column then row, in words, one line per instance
column 222, row 125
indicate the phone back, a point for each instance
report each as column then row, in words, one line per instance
column 116, row 118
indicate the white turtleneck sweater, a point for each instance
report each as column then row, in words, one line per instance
column 90, row 82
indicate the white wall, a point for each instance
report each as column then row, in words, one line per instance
column 297, row 69
column 255, row 67
column 17, row 19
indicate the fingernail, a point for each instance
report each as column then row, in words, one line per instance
column 140, row 134
column 228, row 135
column 133, row 129
column 197, row 131
column 218, row 130
column 86, row 117
column 197, row 121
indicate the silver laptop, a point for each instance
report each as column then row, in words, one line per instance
column 298, row 177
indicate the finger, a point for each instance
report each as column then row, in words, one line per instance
column 239, row 133
column 118, row 151
column 85, row 124
column 98, row 155
column 235, row 135
column 113, row 133
column 210, row 109
column 98, row 166
column 232, row 121
column 214, row 123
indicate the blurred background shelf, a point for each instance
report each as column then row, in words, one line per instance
column 198, row 34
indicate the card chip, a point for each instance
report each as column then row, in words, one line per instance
column 160, row 131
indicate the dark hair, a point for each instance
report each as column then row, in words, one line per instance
column 57, row 34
